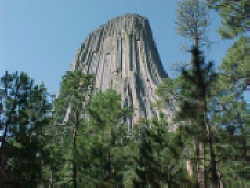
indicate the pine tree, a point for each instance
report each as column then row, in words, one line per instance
column 192, row 20
column 191, row 93
column 231, row 113
column 200, row 79
column 236, row 62
column 106, row 157
column 235, row 16
column 70, row 116
column 25, row 114
column 202, row 101
column 160, row 155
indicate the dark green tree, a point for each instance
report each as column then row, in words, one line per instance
column 25, row 114
column 70, row 116
column 191, row 93
column 224, row 144
column 160, row 159
column 107, row 152
column 235, row 64
column 230, row 113
column 197, row 91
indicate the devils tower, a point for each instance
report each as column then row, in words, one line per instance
column 123, row 56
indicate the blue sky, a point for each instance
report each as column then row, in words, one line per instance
column 41, row 37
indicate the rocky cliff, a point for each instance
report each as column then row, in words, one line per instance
column 123, row 56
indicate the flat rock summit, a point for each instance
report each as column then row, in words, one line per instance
column 123, row 56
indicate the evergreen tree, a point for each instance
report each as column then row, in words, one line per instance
column 235, row 16
column 223, row 152
column 192, row 20
column 25, row 114
column 70, row 116
column 231, row 113
column 197, row 91
column 106, row 154
column 160, row 155
column 191, row 93
column 235, row 65
column 95, row 143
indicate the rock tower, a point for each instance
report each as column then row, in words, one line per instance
column 123, row 56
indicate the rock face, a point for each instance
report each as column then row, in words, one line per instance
column 123, row 56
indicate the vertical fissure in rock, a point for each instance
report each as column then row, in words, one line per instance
column 130, row 52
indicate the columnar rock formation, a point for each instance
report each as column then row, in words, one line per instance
column 123, row 56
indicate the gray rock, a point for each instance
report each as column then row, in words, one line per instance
column 123, row 56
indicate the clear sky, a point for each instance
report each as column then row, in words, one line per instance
column 41, row 37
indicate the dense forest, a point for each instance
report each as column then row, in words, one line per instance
column 80, row 137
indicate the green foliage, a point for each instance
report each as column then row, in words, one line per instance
column 74, row 91
column 86, row 143
column 192, row 92
column 24, row 117
column 70, row 117
column 95, row 147
column 107, row 145
column 106, row 108
column 160, row 155
column 235, row 16
column 236, row 64
column 230, row 113
column 225, row 111
column 192, row 20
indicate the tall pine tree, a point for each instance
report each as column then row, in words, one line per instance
column 25, row 114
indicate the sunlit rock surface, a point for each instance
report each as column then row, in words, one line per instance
column 123, row 56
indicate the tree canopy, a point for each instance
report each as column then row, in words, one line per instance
column 235, row 16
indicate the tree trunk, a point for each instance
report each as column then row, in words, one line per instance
column 200, row 170
column 213, row 164
column 74, row 162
